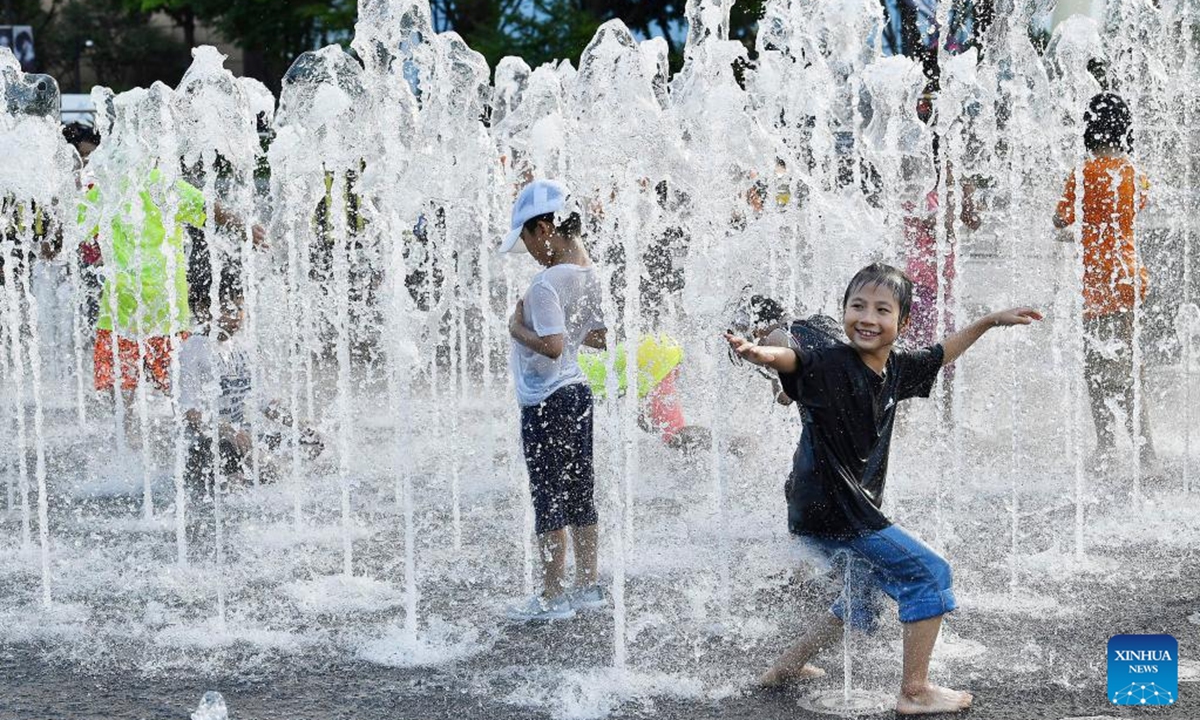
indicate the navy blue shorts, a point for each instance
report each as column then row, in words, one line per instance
column 556, row 435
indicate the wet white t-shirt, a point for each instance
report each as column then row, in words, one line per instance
column 563, row 299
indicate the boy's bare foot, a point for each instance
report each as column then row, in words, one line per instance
column 776, row 677
column 933, row 699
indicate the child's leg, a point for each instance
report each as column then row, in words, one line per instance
column 918, row 696
column 919, row 639
column 586, row 541
column 1097, row 372
column 1148, row 454
column 909, row 571
column 827, row 630
column 920, row 580
column 198, row 466
column 1129, row 406
column 581, row 481
column 1124, row 377
column 553, row 547
column 793, row 664
column 544, row 438
column 133, row 430
column 1120, row 377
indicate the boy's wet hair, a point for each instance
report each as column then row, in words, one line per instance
column 1108, row 124
column 572, row 227
column 885, row 276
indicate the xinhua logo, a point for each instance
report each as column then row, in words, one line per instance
column 1143, row 670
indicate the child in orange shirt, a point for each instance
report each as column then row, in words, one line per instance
column 1114, row 280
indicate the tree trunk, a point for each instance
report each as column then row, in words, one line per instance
column 188, row 23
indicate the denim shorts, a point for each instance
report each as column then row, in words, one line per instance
column 891, row 562
column 556, row 435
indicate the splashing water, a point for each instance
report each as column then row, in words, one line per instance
column 387, row 517
column 212, row 707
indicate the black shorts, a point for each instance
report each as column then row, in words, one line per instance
column 198, row 467
column 556, row 435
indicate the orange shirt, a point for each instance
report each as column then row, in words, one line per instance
column 1113, row 193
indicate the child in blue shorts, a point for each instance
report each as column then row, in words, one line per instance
column 847, row 395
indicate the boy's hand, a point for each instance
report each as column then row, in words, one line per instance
column 550, row 346
column 517, row 319
column 748, row 350
column 1015, row 316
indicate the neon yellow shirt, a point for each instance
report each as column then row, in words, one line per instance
column 657, row 356
column 144, row 249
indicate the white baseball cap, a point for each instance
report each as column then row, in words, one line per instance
column 539, row 197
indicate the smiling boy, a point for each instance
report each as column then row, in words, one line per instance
column 847, row 394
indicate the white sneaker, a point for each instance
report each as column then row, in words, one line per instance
column 538, row 608
column 587, row 598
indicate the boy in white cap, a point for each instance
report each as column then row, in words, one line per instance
column 559, row 313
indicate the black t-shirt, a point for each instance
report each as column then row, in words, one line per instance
column 848, row 410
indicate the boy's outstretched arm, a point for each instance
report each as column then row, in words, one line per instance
column 780, row 359
column 955, row 345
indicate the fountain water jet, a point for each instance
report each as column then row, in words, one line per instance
column 411, row 137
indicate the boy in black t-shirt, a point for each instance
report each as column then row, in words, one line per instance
column 847, row 393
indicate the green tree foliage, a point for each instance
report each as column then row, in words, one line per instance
column 131, row 50
column 28, row 12
column 743, row 22
column 545, row 30
column 274, row 32
column 183, row 12
column 540, row 31
column 271, row 33
column 126, row 50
